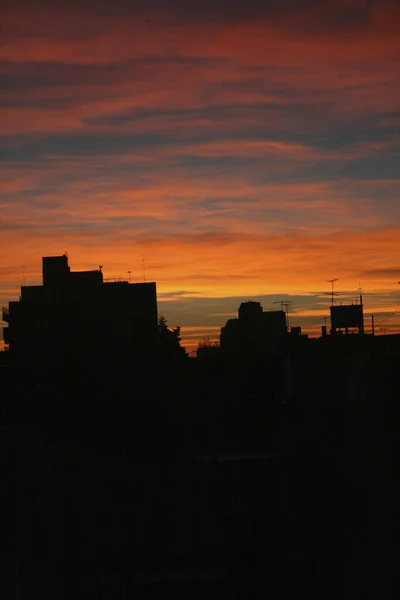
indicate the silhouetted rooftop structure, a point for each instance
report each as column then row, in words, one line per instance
column 347, row 318
column 248, row 311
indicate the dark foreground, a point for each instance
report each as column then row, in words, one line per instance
column 164, row 498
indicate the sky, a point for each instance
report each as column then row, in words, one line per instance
column 237, row 150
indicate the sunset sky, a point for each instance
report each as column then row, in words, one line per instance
column 241, row 150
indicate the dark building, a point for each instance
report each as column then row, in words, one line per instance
column 77, row 319
column 255, row 343
column 255, row 331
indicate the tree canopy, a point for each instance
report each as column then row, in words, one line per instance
column 170, row 340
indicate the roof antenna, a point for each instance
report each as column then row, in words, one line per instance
column 332, row 281
column 360, row 290
column 143, row 270
column 286, row 304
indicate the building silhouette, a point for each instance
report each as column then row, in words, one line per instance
column 254, row 332
column 76, row 319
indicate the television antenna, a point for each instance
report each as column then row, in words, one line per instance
column 143, row 270
column 332, row 293
column 286, row 305
column 359, row 290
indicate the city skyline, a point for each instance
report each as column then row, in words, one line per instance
column 237, row 151
column 302, row 313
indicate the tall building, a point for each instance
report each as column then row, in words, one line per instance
column 78, row 319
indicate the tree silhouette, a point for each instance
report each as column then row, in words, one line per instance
column 170, row 340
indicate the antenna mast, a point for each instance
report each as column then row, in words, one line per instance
column 360, row 290
column 332, row 281
column 143, row 270
column 286, row 305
